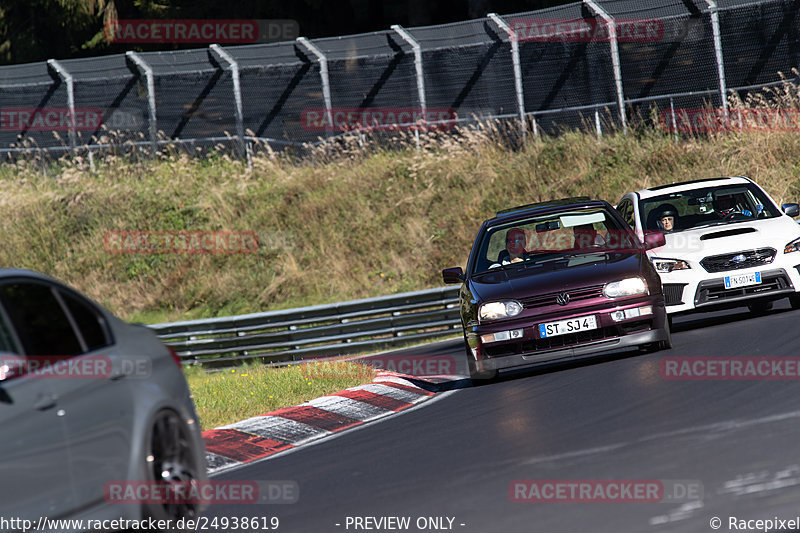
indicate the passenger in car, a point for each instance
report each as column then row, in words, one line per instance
column 586, row 236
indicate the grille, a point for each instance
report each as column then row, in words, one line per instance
column 575, row 295
column 709, row 292
column 752, row 258
column 548, row 343
column 673, row 293
column 570, row 339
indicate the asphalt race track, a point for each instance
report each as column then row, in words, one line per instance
column 614, row 418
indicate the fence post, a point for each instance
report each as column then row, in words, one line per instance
column 598, row 128
column 512, row 35
column 66, row 77
column 237, row 92
column 712, row 5
column 323, row 74
column 674, row 122
column 612, row 33
column 423, row 106
column 145, row 69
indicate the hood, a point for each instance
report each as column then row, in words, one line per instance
column 695, row 244
column 585, row 270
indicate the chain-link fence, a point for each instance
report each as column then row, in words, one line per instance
column 596, row 62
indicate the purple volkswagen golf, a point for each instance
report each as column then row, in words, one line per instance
column 556, row 281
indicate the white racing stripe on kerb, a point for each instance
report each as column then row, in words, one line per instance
column 281, row 429
column 391, row 392
column 348, row 407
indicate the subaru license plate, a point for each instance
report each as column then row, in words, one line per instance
column 562, row 327
column 742, row 280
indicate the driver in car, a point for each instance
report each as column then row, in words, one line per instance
column 515, row 247
column 725, row 206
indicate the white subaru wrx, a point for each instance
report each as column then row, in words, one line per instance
column 728, row 243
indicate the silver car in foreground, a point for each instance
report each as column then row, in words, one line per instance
column 87, row 401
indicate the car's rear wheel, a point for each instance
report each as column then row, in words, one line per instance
column 170, row 459
column 759, row 307
column 794, row 300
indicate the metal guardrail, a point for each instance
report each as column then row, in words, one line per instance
column 316, row 331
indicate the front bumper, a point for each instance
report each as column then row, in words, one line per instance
column 686, row 291
column 531, row 349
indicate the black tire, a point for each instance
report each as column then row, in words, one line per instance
column 657, row 346
column 759, row 307
column 653, row 347
column 794, row 300
column 476, row 376
column 169, row 458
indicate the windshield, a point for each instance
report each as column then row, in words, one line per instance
column 695, row 208
column 550, row 237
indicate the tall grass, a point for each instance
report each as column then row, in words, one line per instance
column 353, row 219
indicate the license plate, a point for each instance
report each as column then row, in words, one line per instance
column 742, row 280
column 562, row 327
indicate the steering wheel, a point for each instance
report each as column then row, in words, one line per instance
column 733, row 215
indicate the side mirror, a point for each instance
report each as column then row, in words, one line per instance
column 792, row 210
column 453, row 275
column 654, row 239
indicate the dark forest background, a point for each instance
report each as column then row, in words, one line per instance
column 36, row 30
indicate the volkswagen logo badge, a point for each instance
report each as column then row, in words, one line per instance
column 562, row 298
column 739, row 258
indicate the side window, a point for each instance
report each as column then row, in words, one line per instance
column 625, row 209
column 7, row 344
column 90, row 323
column 39, row 320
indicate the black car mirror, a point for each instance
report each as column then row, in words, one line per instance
column 453, row 275
column 792, row 210
column 654, row 239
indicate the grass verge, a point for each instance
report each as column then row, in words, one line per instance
column 226, row 397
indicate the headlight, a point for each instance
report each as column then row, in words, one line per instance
column 793, row 246
column 625, row 287
column 668, row 265
column 503, row 309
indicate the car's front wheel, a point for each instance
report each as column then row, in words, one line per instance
column 478, row 376
column 759, row 307
column 657, row 346
column 794, row 300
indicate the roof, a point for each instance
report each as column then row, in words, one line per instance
column 689, row 185
column 546, row 207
